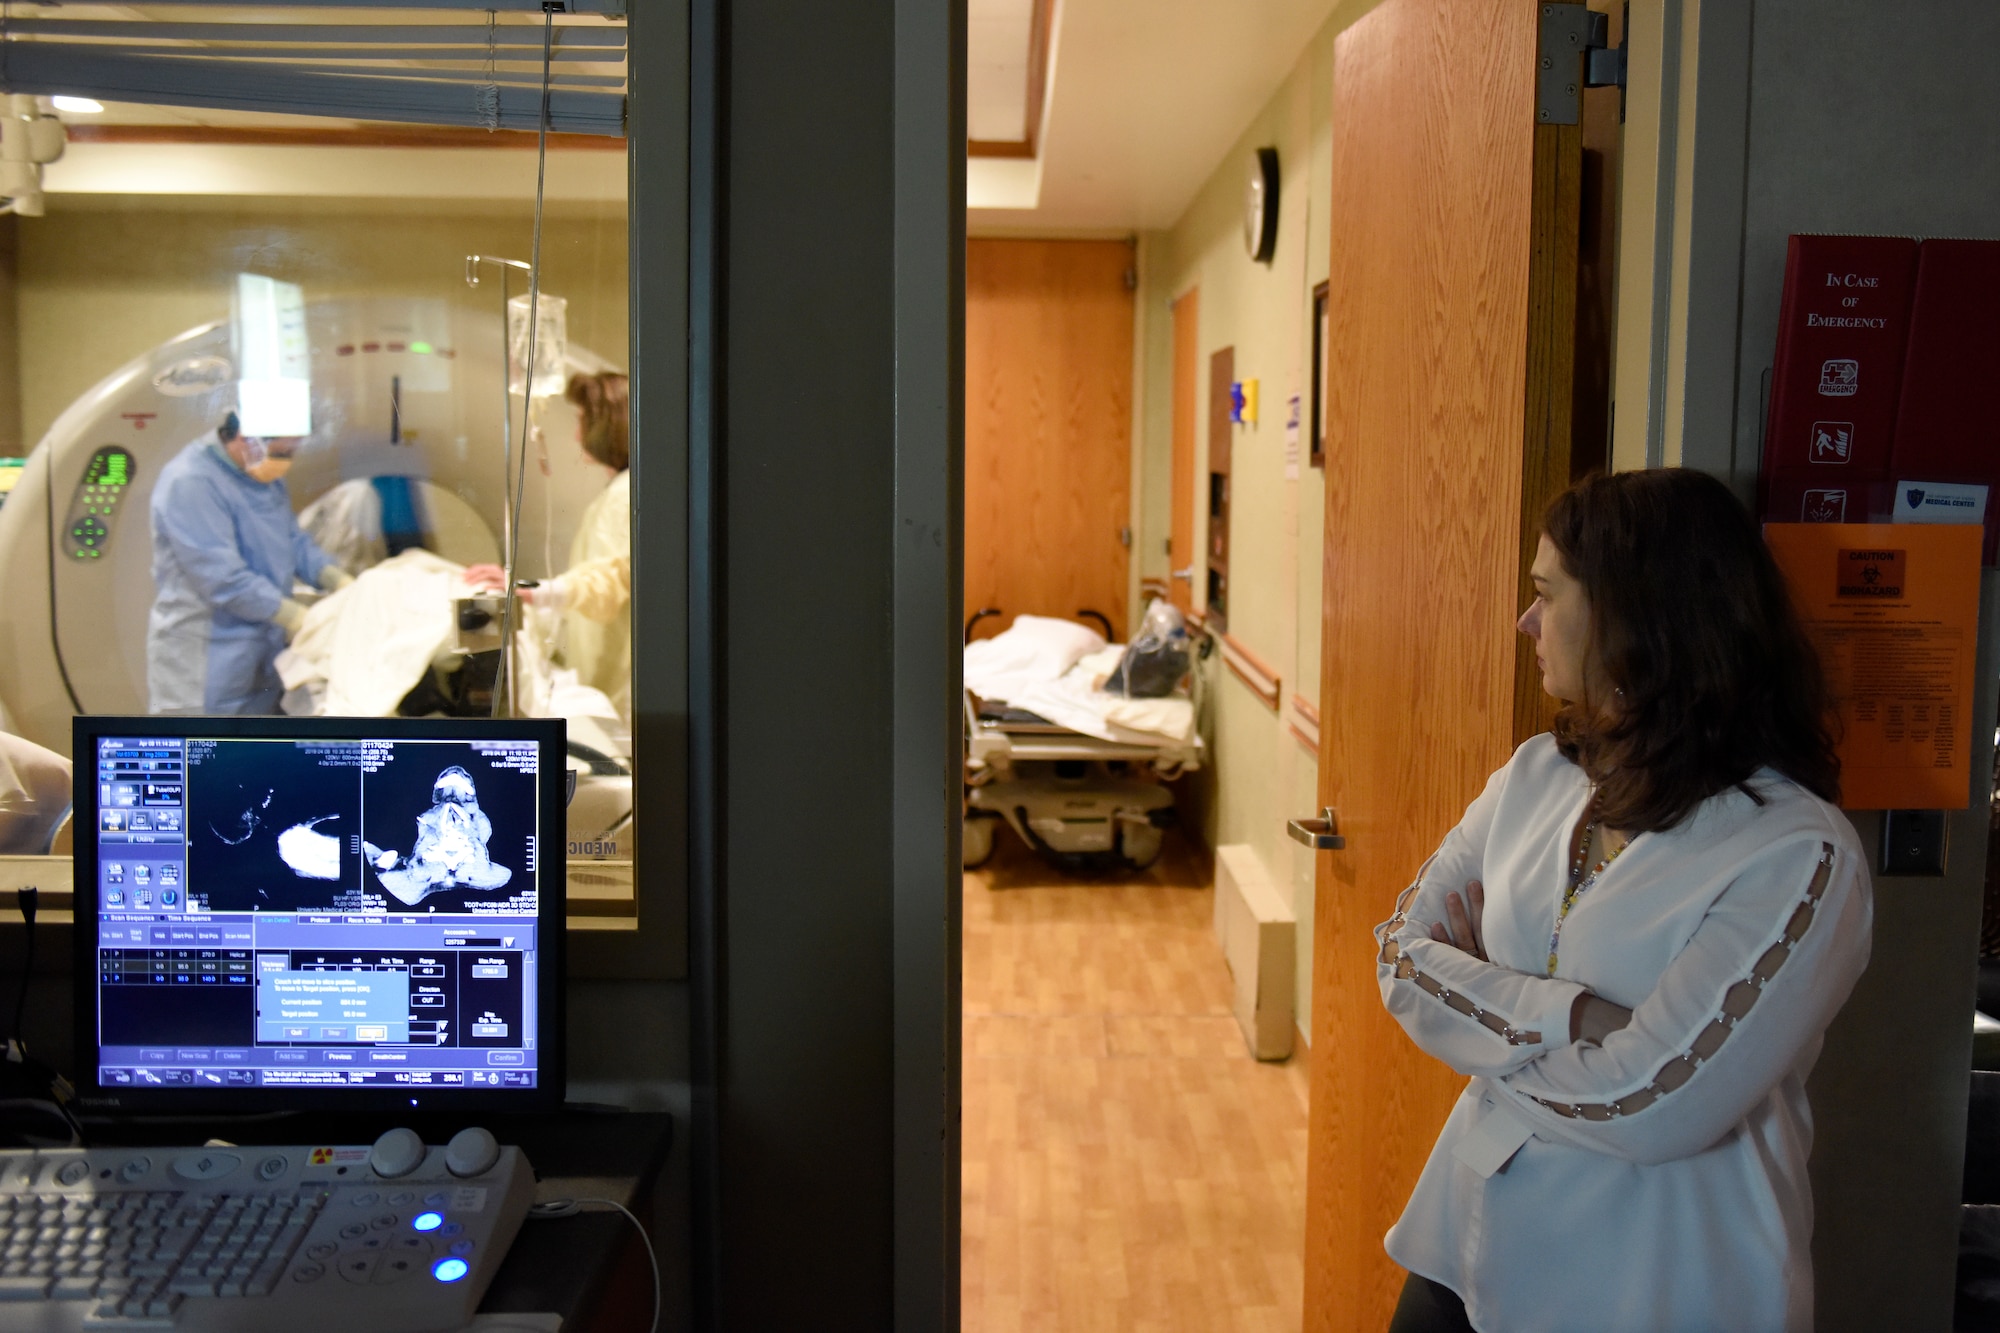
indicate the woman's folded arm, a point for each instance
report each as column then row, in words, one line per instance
column 1770, row 965
column 1477, row 1017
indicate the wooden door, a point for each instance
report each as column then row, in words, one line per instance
column 1183, row 568
column 1452, row 297
column 1048, row 428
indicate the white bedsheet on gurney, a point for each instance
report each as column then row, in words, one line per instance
column 1054, row 669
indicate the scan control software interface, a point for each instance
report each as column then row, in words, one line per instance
column 316, row 913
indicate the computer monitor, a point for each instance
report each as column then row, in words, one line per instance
column 328, row 913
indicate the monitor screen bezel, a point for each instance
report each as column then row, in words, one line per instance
column 552, row 874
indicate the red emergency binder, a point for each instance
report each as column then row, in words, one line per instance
column 1842, row 329
column 1947, row 429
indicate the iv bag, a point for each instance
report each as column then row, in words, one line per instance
column 551, row 345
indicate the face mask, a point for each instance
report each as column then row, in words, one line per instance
column 259, row 464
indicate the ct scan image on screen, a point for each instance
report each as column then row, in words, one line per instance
column 455, row 836
column 317, row 912
column 371, row 826
column 274, row 826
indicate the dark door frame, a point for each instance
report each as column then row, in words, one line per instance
column 825, row 357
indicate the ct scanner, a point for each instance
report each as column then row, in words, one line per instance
column 404, row 389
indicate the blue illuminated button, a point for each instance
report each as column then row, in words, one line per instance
column 427, row 1221
column 449, row 1270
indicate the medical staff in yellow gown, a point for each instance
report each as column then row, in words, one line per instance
column 593, row 596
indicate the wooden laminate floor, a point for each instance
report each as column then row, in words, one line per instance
column 1127, row 1164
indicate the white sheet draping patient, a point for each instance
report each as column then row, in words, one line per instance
column 363, row 648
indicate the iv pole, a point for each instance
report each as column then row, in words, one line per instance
column 472, row 263
column 534, row 270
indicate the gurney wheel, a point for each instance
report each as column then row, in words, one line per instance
column 1139, row 847
column 977, row 840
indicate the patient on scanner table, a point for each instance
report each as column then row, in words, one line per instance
column 451, row 846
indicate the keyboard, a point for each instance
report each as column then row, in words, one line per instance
column 298, row 1239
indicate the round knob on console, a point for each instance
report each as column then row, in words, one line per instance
column 471, row 1152
column 397, row 1153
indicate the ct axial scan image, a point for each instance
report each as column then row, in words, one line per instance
column 450, row 850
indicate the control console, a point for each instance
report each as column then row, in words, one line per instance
column 400, row 1237
column 94, row 505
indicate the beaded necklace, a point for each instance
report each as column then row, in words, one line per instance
column 1579, row 883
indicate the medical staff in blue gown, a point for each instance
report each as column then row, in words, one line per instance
column 226, row 549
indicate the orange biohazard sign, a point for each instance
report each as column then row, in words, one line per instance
column 1894, row 611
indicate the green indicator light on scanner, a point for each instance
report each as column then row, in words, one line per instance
column 421, row 349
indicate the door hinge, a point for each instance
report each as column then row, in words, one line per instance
column 1125, row 538
column 1573, row 53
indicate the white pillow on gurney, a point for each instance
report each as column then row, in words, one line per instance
column 1034, row 650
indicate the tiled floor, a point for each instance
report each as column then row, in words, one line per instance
column 1127, row 1165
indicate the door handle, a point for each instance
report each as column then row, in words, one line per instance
column 1322, row 834
column 1185, row 575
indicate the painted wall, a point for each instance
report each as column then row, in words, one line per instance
column 10, row 357
column 103, row 278
column 1837, row 116
column 1260, row 773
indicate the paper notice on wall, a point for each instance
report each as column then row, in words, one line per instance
column 1292, row 438
column 1894, row 613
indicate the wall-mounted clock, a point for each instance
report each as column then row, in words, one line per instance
column 1260, row 206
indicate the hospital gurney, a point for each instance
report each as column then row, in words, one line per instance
column 1087, row 803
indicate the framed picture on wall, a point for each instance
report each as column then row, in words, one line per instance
column 1318, row 437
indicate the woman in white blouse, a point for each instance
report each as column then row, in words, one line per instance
column 1633, row 943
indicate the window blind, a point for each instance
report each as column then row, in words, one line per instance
column 377, row 61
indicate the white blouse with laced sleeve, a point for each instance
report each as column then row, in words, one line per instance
column 1656, row 1181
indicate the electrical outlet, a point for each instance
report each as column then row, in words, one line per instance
column 1913, row 842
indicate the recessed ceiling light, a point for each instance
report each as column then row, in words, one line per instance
column 82, row 106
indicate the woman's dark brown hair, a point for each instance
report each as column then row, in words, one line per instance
column 1692, row 629
column 600, row 402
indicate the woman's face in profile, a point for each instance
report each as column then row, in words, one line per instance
column 1558, row 620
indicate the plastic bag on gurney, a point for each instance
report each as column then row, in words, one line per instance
column 1157, row 657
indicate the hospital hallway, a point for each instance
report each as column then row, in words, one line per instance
column 1127, row 1164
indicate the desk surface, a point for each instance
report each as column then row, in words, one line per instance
column 588, row 1268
